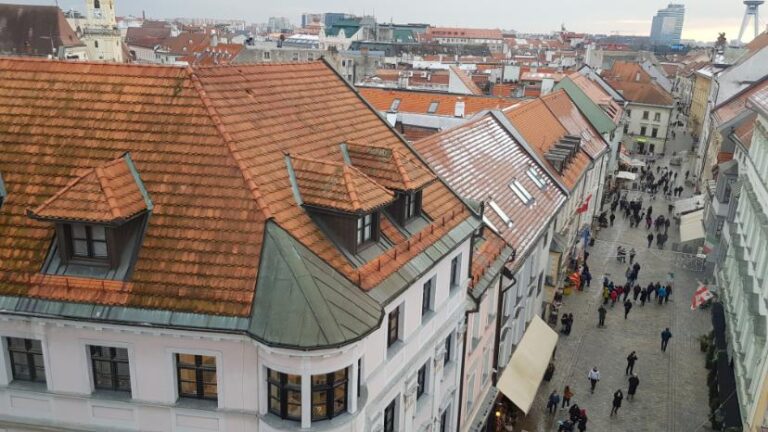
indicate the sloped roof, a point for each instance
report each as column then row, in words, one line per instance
column 596, row 115
column 542, row 130
column 338, row 186
column 463, row 32
column 643, row 93
column 418, row 102
column 34, row 30
column 209, row 143
column 569, row 116
column 110, row 193
column 731, row 108
column 759, row 101
column 466, row 80
column 147, row 37
column 390, row 168
column 627, row 71
column 479, row 160
column 599, row 96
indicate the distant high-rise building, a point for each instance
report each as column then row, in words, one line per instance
column 332, row 18
column 667, row 25
column 279, row 24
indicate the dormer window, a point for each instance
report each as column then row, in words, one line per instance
column 412, row 205
column 88, row 241
column 365, row 229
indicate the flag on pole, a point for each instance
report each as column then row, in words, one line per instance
column 701, row 296
column 585, row 206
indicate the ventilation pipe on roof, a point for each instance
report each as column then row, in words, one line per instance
column 459, row 108
column 214, row 38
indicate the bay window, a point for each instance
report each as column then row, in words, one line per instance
column 329, row 395
column 284, row 395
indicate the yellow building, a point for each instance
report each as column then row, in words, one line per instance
column 701, row 88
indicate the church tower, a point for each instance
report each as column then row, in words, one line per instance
column 99, row 32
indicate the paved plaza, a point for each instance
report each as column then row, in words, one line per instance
column 672, row 395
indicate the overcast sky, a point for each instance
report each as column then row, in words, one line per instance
column 703, row 18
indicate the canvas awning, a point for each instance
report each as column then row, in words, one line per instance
column 630, row 161
column 626, row 175
column 692, row 226
column 687, row 205
column 525, row 370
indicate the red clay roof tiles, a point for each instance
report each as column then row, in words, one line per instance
column 390, row 168
column 108, row 194
column 338, row 186
column 418, row 102
column 209, row 143
column 569, row 116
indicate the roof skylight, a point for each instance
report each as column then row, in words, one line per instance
column 521, row 192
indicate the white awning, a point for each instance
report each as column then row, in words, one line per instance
column 525, row 370
column 687, row 205
column 626, row 175
column 630, row 161
column 692, row 226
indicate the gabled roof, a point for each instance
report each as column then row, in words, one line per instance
column 34, row 30
column 574, row 123
column 542, row 130
column 479, row 160
column 643, row 93
column 419, row 102
column 466, row 80
column 596, row 115
column 111, row 193
column 338, row 186
column 390, row 168
column 599, row 96
column 759, row 102
column 147, row 37
column 210, row 144
column 736, row 105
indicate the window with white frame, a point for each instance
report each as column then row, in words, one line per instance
column 456, row 271
column 427, row 296
column 26, row 357
column 421, row 381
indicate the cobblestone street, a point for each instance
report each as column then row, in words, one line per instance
column 672, row 395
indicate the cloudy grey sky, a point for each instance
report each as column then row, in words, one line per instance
column 704, row 18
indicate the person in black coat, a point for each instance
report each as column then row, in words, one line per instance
column 617, row 398
column 634, row 381
column 631, row 359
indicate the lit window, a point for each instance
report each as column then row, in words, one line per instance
column 88, row 241
column 433, row 107
column 110, row 368
column 421, row 381
column 537, row 178
column 284, row 395
column 521, row 192
column 26, row 359
column 196, row 376
column 364, row 229
column 395, row 105
column 329, row 395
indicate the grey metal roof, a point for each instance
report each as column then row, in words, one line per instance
column 302, row 302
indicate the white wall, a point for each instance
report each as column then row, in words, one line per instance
column 636, row 122
column 68, row 399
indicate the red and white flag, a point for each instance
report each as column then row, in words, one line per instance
column 701, row 296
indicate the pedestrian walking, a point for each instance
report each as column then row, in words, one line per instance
column 601, row 316
column 583, row 421
column 617, row 398
column 662, row 293
column 643, row 297
column 636, row 291
column 666, row 335
column 669, row 292
column 587, row 275
column 650, row 239
column 567, row 395
column 614, row 296
column 627, row 308
column 563, row 323
column 613, row 216
column 606, row 295
column 631, row 359
column 569, row 324
column 634, row 381
column 632, row 254
column 594, row 377
column 554, row 401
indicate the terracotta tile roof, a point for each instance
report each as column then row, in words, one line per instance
column 465, row 33
column 570, row 117
column 599, row 96
column 221, row 54
column 209, row 143
column 485, row 255
column 466, row 80
column 542, row 130
column 418, row 102
column 147, row 37
column 635, row 84
column 760, row 101
column 34, row 30
column 433, row 77
column 724, row 157
column 186, row 43
column 390, row 168
column 109, row 193
column 479, row 160
column 338, row 186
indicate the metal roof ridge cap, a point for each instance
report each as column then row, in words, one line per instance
column 510, row 128
column 250, row 183
column 139, row 182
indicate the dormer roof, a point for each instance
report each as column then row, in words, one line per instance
column 390, row 168
column 337, row 186
column 111, row 193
